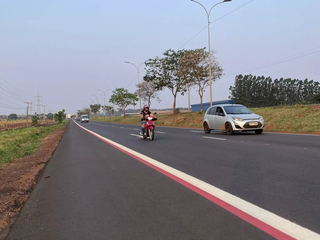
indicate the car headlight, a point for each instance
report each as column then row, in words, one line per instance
column 261, row 118
column 237, row 119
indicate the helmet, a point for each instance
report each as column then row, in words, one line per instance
column 145, row 106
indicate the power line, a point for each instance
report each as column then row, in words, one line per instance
column 11, row 84
column 9, row 102
column 232, row 11
column 132, row 81
column 282, row 60
column 215, row 21
column 8, row 90
column 9, row 106
column 7, row 93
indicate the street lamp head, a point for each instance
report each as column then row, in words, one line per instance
column 126, row 61
column 227, row 0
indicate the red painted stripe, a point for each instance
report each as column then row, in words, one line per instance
column 241, row 214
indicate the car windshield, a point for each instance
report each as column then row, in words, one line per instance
column 237, row 110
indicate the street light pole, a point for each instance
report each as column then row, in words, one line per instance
column 138, row 79
column 104, row 100
column 209, row 50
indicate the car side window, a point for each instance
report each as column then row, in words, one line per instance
column 219, row 110
column 212, row 111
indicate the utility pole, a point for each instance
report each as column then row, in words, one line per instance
column 28, row 104
column 44, row 112
column 38, row 101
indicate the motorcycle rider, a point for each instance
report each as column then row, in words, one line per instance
column 144, row 113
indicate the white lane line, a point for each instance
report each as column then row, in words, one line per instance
column 198, row 131
column 222, row 139
column 135, row 129
column 269, row 222
column 136, row 135
column 160, row 132
column 121, row 127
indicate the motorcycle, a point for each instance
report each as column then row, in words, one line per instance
column 150, row 127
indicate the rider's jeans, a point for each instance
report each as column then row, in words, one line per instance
column 143, row 123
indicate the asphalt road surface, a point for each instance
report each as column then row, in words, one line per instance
column 100, row 190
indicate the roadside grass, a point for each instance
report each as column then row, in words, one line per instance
column 296, row 118
column 291, row 119
column 21, row 142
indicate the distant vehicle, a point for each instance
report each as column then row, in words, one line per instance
column 78, row 119
column 232, row 118
column 84, row 118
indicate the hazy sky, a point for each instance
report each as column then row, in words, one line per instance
column 68, row 49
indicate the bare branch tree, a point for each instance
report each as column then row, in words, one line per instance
column 148, row 91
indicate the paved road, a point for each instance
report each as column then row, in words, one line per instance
column 96, row 191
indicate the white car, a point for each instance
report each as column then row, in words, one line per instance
column 84, row 118
column 232, row 118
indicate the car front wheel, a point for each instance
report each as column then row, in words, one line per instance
column 229, row 129
column 206, row 128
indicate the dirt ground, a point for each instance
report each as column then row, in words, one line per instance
column 18, row 178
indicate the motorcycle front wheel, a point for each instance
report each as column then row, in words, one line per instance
column 151, row 134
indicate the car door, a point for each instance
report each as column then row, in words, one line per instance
column 211, row 116
column 220, row 118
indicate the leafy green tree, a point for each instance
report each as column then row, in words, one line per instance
column 50, row 116
column 60, row 116
column 122, row 98
column 165, row 72
column 35, row 119
column 95, row 108
column 12, row 116
column 260, row 91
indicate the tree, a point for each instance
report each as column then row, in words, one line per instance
column 195, row 64
column 95, row 108
column 12, row 116
column 108, row 109
column 35, row 119
column 50, row 116
column 148, row 91
column 165, row 73
column 84, row 111
column 122, row 98
column 262, row 91
column 60, row 116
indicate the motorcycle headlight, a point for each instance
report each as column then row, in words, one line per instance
column 237, row 119
column 150, row 118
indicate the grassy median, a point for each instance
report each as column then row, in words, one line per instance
column 291, row 119
column 21, row 142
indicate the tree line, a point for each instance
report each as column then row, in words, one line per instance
column 178, row 71
column 260, row 91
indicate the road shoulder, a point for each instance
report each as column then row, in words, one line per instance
column 18, row 178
